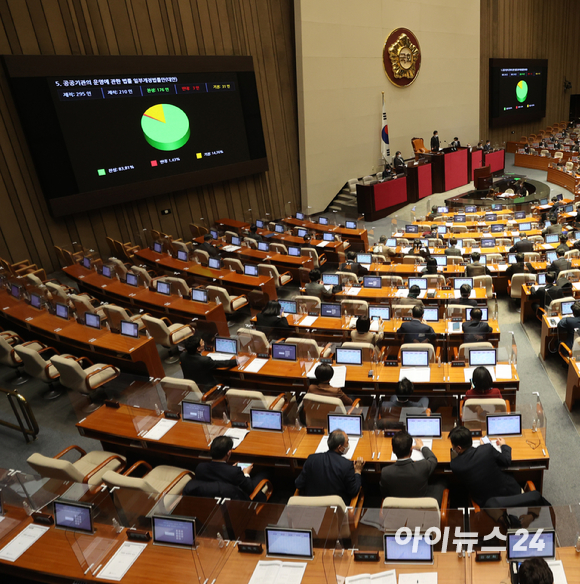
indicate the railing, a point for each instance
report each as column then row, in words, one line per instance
column 25, row 417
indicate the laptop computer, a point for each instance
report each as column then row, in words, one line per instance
column 364, row 258
column 484, row 312
column 250, row 270
column 519, row 544
column 226, row 346
column 330, row 279
column 199, row 295
column 441, row 260
column 431, row 315
column 215, row 263
column 263, row 246
column 372, row 282
column 330, row 310
column 421, row 282
column 376, row 312
column 458, row 282
column 288, row 306
column 294, row 251
column 130, row 329
column 328, row 237
column 92, row 320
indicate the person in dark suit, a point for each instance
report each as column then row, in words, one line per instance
column 435, row 141
column 330, row 473
column 316, row 288
column 307, row 239
column 403, row 392
column 518, row 268
column 464, row 300
column 409, row 478
column 420, row 251
column 324, row 373
column 560, row 264
column 399, row 163
column 487, row 146
column 481, row 469
column 455, row 144
column 569, row 324
column 523, row 245
column 271, row 319
column 198, row 367
column 412, row 298
column 476, row 330
column 254, row 234
column 535, row 571
column 553, row 228
column 475, row 268
column 351, row 265
column 452, row 250
column 543, row 294
column 207, row 246
column 416, row 331
column 563, row 244
column 219, row 471
column 430, row 268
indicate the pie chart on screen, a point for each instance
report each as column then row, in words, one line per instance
column 165, row 126
column 522, row 91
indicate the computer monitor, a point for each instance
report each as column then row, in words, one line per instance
column 279, row 228
column 92, row 320
column 519, row 544
column 441, row 260
column 350, row 225
column 392, row 242
column 411, row 229
column 73, row 516
column 568, row 208
column 512, row 258
column 226, row 345
column 541, row 279
column 458, row 282
column 364, row 258
column 496, row 207
column 215, row 263
column 289, row 543
column 192, row 411
column 423, row 426
column 490, row 217
column 294, row 251
column 372, row 282
column 376, row 312
column 323, row 221
column 482, row 259
column 552, row 238
column 331, row 279
column 302, row 232
column 482, row 357
column 576, row 234
column 560, row 197
column 263, row 246
column 470, row 209
column 331, row 310
column 543, row 201
column 87, row 263
column 566, row 307
column 349, row 424
column 442, row 209
column 199, row 295
column 130, row 329
column 487, row 243
column 441, row 229
column 182, row 256
column 106, row 271
column 157, row 247
column 328, row 236
column 250, row 270
column 431, row 315
column 35, row 300
column 266, row 420
column 497, row 228
column 503, row 424
column 348, row 356
column 132, row 279
column 526, row 226
column 484, row 312
column 551, row 256
column 163, row 287
column 415, row 358
column 300, row 216
column 459, row 218
column 214, row 234
column 288, row 306
column 173, row 531
column 283, row 352
column 547, row 224
column 421, row 282
column 520, row 215
column 259, row 224
column 16, row 291
column 236, row 240
column 62, row 310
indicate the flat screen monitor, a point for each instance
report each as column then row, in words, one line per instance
column 164, row 287
column 192, row 411
column 87, row 263
column 323, row 221
column 173, row 531
column 294, row 251
column 182, row 256
column 551, row 256
column 214, row 234
column 459, row 218
column 410, row 552
column 525, row 226
column 300, row 216
column 391, row 242
column 93, row 320
column 470, row 209
column 279, row 228
column 364, row 258
column 520, row 215
column 289, row 543
column 199, row 295
column 482, row 357
column 266, row 420
column 350, row 225
column 348, row 356
column 431, row 315
column 259, row 224
column 568, row 208
column 441, row 229
column 482, row 259
column 422, row 426
column 566, row 307
column 62, row 310
column 215, row 263
column 520, row 548
column 226, row 345
column 331, row 279
column 512, row 258
column 73, row 516
column 283, row 352
column 490, row 217
column 132, row 279
column 421, row 282
column 130, row 329
column 484, row 313
column 560, row 197
column 497, row 228
column 35, row 300
column 552, row 238
column 302, row 232
column 331, row 310
column 458, row 282
column 541, row 279
column 106, row 271
column 503, row 424
column 412, row 358
column 263, row 246
column 351, row 425
column 288, row 306
column 236, row 240
column 441, row 260
column 496, row 207
column 157, row 247
column 411, row 229
column 328, row 236
column 543, row 201
column 488, row 243
column 250, row 270
column 442, row 209
column 376, row 312
column 576, row 234
column 372, row 282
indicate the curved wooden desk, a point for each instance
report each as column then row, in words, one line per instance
column 358, row 237
column 562, row 178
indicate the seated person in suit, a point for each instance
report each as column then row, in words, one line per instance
column 560, row 263
column 219, row 471
column 520, row 188
column 399, row 162
column 563, row 244
column 330, row 473
column 568, row 325
column 412, row 298
column 307, row 239
column 409, row 478
column 362, row 333
column 351, row 265
column 254, row 234
column 432, row 214
column 481, row 469
column 200, row 368
column 554, row 228
column 542, row 296
column 475, row 268
column 431, row 268
column 482, row 385
column 324, row 373
column 316, row 288
column 518, row 268
column 523, row 245
column 464, row 300
column 475, row 329
column 383, row 249
column 455, row 143
column 272, row 319
column 487, row 146
column 416, row 331
column 207, row 246
column 404, row 390
column 535, row 571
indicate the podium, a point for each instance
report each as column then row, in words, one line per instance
column 449, row 169
column 379, row 200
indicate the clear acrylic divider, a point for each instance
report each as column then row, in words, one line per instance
column 575, row 348
column 16, row 499
column 507, row 356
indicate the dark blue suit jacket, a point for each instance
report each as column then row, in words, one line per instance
column 417, row 332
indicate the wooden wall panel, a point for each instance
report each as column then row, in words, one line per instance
column 262, row 28
column 531, row 29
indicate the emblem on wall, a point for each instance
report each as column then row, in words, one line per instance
column 402, row 57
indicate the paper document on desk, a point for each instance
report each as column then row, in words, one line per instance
column 503, row 371
column 276, row 572
column 352, row 441
column 457, row 294
column 416, row 374
column 308, row 320
column 547, row 246
column 374, row 328
column 237, row 435
column 338, row 379
column 557, row 570
column 255, row 365
column 17, row 546
column 160, row 429
column 230, row 248
column 366, row 266
column 420, row 578
column 575, row 285
column 322, row 244
column 468, row 373
column 405, row 250
column 474, row 249
column 220, row 356
column 417, row 454
column 352, row 291
column 502, row 267
column 388, row 577
column 123, row 559
column 402, row 293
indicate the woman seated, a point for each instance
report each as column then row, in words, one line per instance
column 272, row 319
column 324, row 373
column 481, row 385
column 362, row 333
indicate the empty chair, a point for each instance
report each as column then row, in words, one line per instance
column 347, row 278
column 181, row 246
column 119, row 267
column 392, row 281
column 339, row 528
column 369, row 351
column 10, row 358
column 435, row 280
column 473, row 411
column 317, row 407
column 556, row 305
column 279, row 248
column 504, row 241
column 572, row 275
column 167, row 335
column 536, row 239
column 544, row 153
column 403, row 242
column 200, row 256
column 253, row 341
column 484, row 282
column 531, row 256
column 235, row 264
column 355, row 307
column 143, row 275
column 250, row 242
column 317, row 260
column 435, row 242
column 420, row 347
column 308, row 303
column 229, row 235
column 369, row 180
column 58, row 292
column 115, row 314
column 221, row 296
column 88, row 469
column 558, row 155
column 510, row 191
column 82, row 304
column 494, row 258
column 178, row 286
column 309, row 348
column 240, row 401
column 177, row 389
column 420, row 511
column 379, row 259
column 573, row 253
column 569, row 165
column 467, row 242
column 272, row 272
column 412, row 259
column 453, row 261
column 459, row 229
column 515, row 286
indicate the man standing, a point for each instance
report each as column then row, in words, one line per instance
column 435, row 141
column 399, row 163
